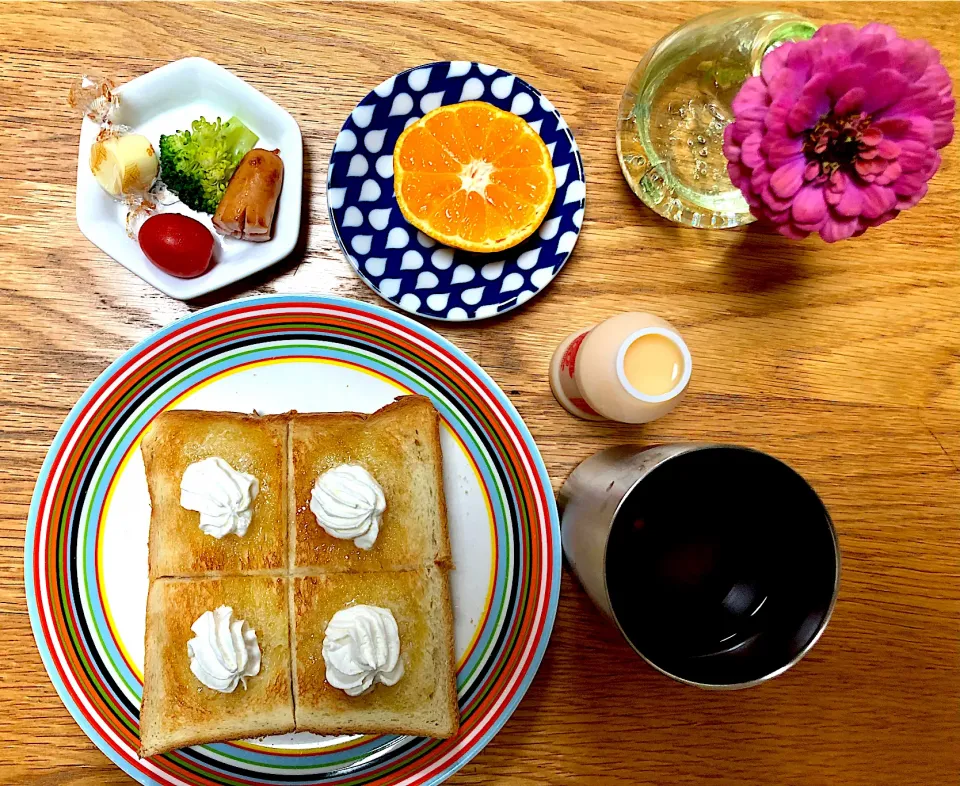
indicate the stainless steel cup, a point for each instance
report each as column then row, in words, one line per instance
column 595, row 499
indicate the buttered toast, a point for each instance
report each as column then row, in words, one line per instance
column 399, row 446
column 177, row 709
column 424, row 701
column 252, row 444
column 286, row 576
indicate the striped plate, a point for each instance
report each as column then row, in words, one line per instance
column 86, row 545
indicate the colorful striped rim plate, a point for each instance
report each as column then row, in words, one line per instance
column 86, row 545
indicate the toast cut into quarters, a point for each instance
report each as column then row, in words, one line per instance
column 287, row 577
column 178, row 710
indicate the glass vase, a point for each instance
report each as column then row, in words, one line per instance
column 677, row 103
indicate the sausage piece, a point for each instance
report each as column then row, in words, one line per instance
column 247, row 207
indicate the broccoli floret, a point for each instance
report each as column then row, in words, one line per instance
column 197, row 164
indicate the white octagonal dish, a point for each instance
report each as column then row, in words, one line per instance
column 168, row 100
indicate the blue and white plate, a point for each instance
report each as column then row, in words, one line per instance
column 405, row 266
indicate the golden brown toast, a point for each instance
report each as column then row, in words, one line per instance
column 178, row 710
column 400, row 446
column 257, row 445
column 405, row 571
column 424, row 701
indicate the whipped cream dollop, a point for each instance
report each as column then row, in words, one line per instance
column 223, row 497
column 361, row 647
column 348, row 503
column 224, row 652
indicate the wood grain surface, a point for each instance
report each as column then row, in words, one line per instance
column 843, row 360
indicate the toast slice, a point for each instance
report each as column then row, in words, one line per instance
column 424, row 701
column 178, row 710
column 400, row 446
column 257, row 445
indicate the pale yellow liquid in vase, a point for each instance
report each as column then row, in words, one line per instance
column 653, row 364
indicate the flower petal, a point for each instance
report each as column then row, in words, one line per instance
column 815, row 94
column 772, row 202
column 920, row 101
column 890, row 174
column 789, row 230
column 872, row 136
column 877, row 200
column 738, row 175
column 802, row 116
column 750, row 151
column 776, row 60
column 731, row 150
column 907, row 183
column 742, row 129
column 809, row 206
column 888, row 216
column 753, row 92
column 751, row 116
column 877, row 59
column 786, row 181
column 906, row 202
column 781, row 149
column 884, row 88
column 942, row 132
column 868, row 169
column 786, row 84
column 921, row 129
column 878, row 28
column 759, row 178
column 834, row 230
column 800, row 60
column 892, row 127
column 851, row 101
column 851, row 202
column 913, row 155
column 930, row 166
column 778, row 218
column 846, row 79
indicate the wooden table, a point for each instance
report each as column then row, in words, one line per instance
column 843, row 360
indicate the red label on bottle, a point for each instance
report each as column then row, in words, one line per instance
column 580, row 403
column 568, row 362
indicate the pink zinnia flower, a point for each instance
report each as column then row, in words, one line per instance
column 841, row 132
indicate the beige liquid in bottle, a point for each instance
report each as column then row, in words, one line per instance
column 632, row 367
column 653, row 364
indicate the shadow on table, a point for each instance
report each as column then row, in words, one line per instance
column 595, row 703
column 763, row 259
column 755, row 257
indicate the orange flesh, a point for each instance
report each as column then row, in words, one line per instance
column 473, row 176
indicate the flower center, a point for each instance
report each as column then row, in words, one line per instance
column 836, row 142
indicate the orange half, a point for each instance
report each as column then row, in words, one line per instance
column 473, row 177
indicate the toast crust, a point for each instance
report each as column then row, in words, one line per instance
column 177, row 709
column 249, row 443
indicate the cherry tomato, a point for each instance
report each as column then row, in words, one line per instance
column 177, row 244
